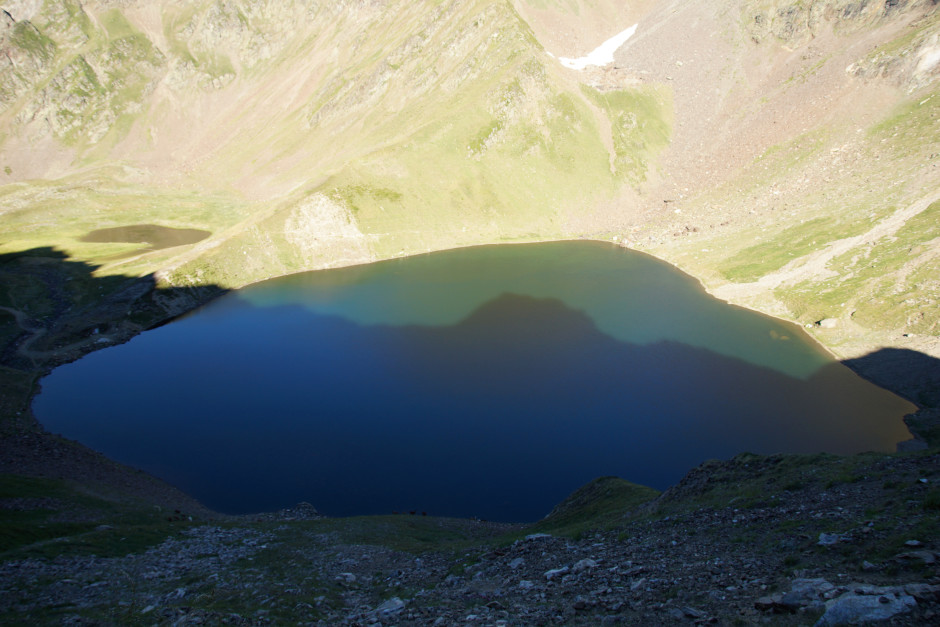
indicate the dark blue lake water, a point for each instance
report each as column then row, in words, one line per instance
column 487, row 381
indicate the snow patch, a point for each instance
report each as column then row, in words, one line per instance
column 603, row 54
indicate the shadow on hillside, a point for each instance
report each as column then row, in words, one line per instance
column 914, row 376
column 909, row 373
column 54, row 309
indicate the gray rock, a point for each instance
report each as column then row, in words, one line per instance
column 806, row 593
column 390, row 608
column 770, row 604
column 691, row 612
column 516, row 563
column 556, row 572
column 585, row 564
column 675, row 613
column 927, row 557
column 923, row 592
column 851, row 608
column 828, row 539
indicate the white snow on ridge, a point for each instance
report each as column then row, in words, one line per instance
column 603, row 54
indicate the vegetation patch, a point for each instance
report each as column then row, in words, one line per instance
column 866, row 283
column 601, row 504
column 911, row 128
column 116, row 24
column 45, row 518
column 755, row 261
column 641, row 125
column 30, row 39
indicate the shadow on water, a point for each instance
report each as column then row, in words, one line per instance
column 54, row 309
column 500, row 415
column 913, row 375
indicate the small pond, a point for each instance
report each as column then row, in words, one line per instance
column 156, row 237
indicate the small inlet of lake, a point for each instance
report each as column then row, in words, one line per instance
column 489, row 381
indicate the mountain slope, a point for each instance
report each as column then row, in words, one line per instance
column 802, row 177
column 318, row 135
column 782, row 151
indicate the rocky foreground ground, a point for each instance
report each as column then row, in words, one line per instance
column 780, row 540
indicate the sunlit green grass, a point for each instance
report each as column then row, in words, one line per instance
column 59, row 215
column 866, row 285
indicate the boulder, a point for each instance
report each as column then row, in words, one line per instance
column 804, row 593
column 585, row 564
column 828, row 539
column 390, row 608
column 852, row 608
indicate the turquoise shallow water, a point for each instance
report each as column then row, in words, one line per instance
column 488, row 381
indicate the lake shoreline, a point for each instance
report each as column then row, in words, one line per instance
column 22, row 421
column 576, row 320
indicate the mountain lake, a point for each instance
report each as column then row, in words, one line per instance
column 484, row 382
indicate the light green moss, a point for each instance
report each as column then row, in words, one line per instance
column 116, row 24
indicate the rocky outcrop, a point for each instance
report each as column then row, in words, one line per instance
column 25, row 55
column 796, row 23
column 726, row 563
column 912, row 65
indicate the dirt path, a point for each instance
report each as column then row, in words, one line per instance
column 814, row 265
column 37, row 332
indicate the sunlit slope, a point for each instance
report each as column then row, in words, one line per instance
column 782, row 151
column 309, row 134
column 803, row 174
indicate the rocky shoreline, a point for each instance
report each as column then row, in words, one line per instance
column 838, row 541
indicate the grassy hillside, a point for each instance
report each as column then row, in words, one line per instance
column 302, row 135
column 803, row 175
column 785, row 153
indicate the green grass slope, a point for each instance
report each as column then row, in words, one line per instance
column 303, row 135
